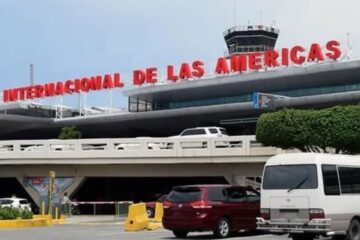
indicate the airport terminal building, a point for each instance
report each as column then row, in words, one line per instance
column 252, row 78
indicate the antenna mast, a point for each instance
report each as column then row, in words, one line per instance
column 234, row 13
column 31, row 74
column 348, row 45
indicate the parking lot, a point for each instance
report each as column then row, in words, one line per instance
column 108, row 231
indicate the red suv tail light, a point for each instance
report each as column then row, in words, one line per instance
column 316, row 213
column 265, row 213
column 200, row 204
column 166, row 204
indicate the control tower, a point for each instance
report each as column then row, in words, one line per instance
column 252, row 38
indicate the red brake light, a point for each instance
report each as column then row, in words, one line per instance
column 265, row 213
column 316, row 213
column 167, row 204
column 200, row 204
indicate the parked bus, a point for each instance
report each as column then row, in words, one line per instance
column 310, row 195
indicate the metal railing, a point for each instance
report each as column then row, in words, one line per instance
column 251, row 28
column 120, row 207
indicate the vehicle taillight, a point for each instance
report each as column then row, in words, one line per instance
column 316, row 213
column 167, row 204
column 200, row 204
column 265, row 213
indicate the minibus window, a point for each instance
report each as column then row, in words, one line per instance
column 331, row 181
column 290, row 177
column 349, row 179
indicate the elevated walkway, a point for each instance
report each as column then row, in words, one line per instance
column 29, row 161
column 232, row 149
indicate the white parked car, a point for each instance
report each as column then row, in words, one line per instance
column 14, row 202
column 200, row 132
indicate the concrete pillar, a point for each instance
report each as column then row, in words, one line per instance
column 36, row 196
column 75, row 185
column 32, row 192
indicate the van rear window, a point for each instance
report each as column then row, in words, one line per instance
column 185, row 195
column 290, row 177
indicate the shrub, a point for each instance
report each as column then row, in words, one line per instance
column 26, row 214
column 11, row 213
column 70, row 132
column 335, row 129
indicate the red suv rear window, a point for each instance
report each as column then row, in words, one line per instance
column 185, row 195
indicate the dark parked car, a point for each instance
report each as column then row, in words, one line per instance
column 150, row 206
column 223, row 209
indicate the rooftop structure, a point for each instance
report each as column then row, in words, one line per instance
column 252, row 38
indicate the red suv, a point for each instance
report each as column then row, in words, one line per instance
column 223, row 209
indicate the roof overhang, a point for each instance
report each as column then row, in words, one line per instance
column 282, row 78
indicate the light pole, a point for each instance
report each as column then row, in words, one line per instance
column 50, row 190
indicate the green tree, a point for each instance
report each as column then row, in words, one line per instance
column 69, row 132
column 335, row 129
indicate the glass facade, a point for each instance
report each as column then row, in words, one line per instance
column 248, row 96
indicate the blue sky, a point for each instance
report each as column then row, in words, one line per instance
column 66, row 39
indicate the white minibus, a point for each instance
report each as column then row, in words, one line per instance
column 310, row 195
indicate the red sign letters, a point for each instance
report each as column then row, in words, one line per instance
column 235, row 63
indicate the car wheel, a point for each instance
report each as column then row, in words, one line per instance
column 223, row 228
column 353, row 232
column 297, row 236
column 150, row 212
column 180, row 234
column 339, row 237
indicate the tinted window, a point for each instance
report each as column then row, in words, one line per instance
column 252, row 196
column 162, row 198
column 213, row 130
column 23, row 202
column 331, row 181
column 185, row 195
column 193, row 132
column 349, row 179
column 223, row 131
column 290, row 177
column 6, row 201
column 217, row 194
column 236, row 194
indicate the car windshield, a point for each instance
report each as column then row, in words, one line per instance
column 193, row 132
column 184, row 195
column 290, row 177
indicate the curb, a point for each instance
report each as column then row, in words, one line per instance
column 24, row 223
column 37, row 221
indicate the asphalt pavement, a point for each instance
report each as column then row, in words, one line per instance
column 99, row 231
column 108, row 229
